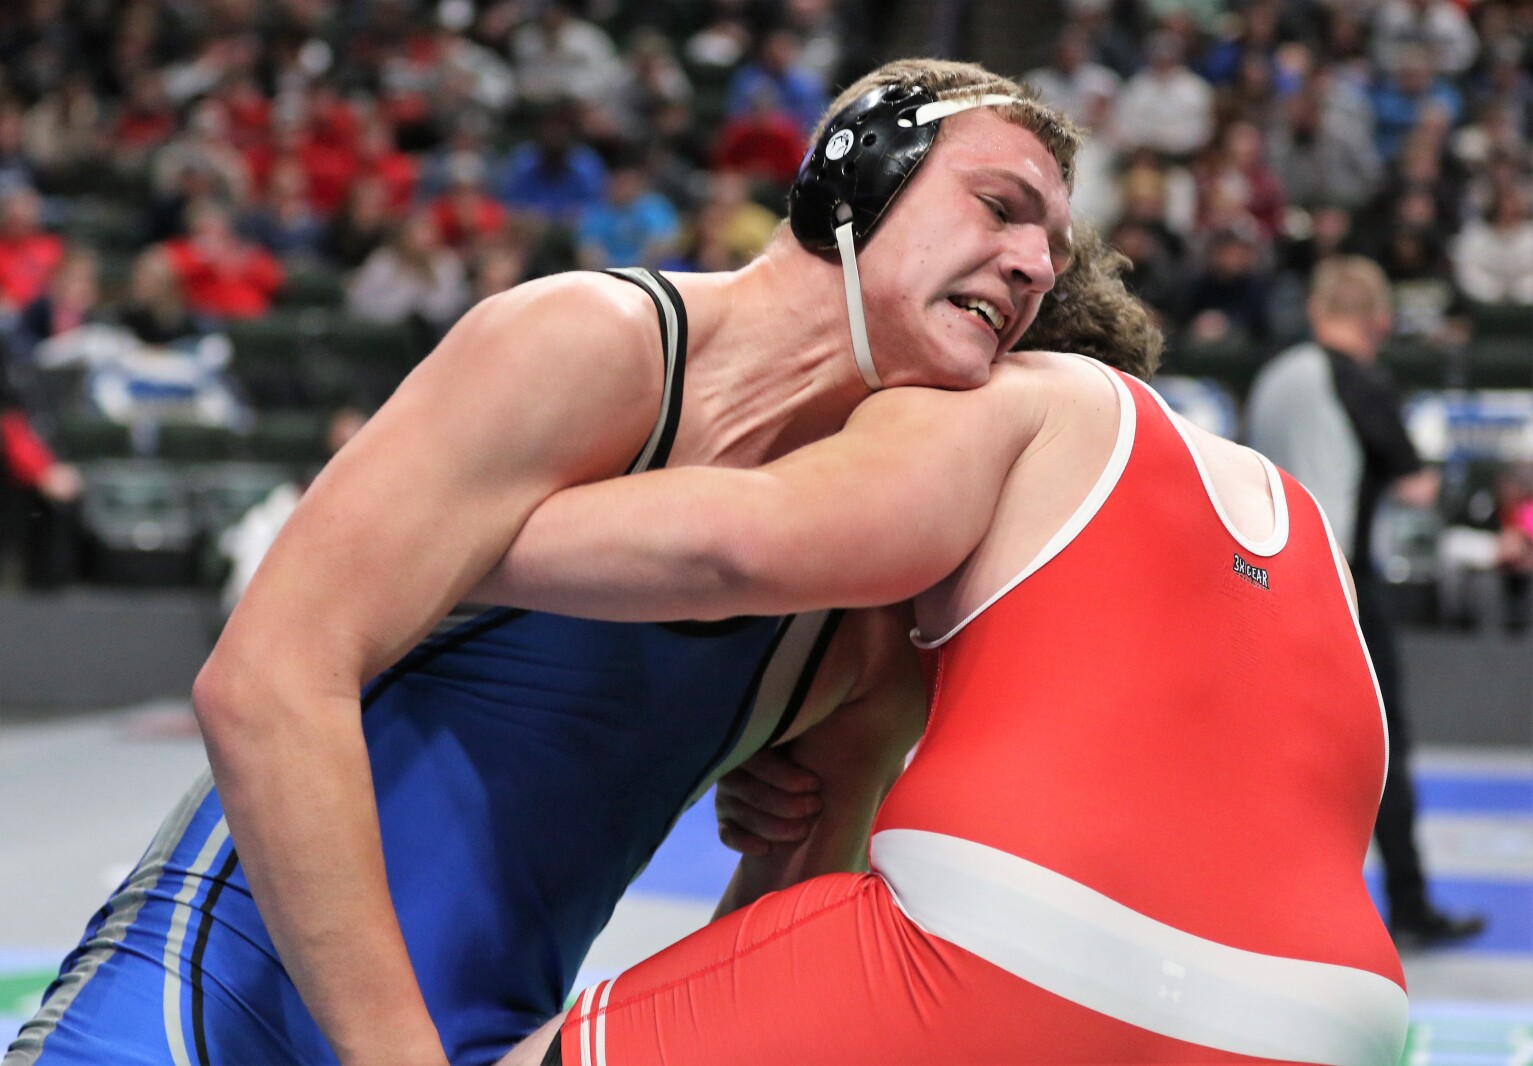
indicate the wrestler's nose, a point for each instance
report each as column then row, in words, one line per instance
column 1026, row 262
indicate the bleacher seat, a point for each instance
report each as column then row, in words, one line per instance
column 1416, row 363
column 1501, row 362
column 1232, row 361
column 220, row 494
column 83, row 437
column 191, row 442
column 270, row 351
column 1514, row 321
column 139, row 523
column 293, row 437
column 102, row 224
column 312, row 285
column 373, row 357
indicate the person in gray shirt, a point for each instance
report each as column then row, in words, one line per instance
column 1328, row 413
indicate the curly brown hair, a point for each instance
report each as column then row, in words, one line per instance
column 1090, row 312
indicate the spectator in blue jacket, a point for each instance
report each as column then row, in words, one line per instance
column 555, row 176
column 633, row 225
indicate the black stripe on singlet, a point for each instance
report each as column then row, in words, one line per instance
column 199, row 949
column 673, row 354
column 492, row 619
column 664, row 295
column 674, row 348
column 742, row 712
column 806, row 677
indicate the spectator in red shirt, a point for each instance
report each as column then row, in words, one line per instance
column 330, row 168
column 146, row 121
column 72, row 299
column 221, row 275
column 1234, row 180
column 28, row 254
column 764, row 142
column 248, row 109
column 36, row 493
column 379, row 157
column 466, row 215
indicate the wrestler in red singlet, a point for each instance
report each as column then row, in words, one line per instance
column 1134, row 831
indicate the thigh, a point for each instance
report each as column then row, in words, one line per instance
column 128, row 1010
column 832, row 973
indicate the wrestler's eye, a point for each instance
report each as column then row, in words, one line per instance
column 997, row 208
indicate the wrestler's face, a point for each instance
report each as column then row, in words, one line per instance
column 986, row 218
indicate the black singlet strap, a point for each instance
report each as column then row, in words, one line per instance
column 806, row 677
column 673, row 339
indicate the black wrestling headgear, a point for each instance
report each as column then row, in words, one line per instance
column 862, row 160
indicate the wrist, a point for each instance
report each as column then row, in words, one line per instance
column 377, row 1049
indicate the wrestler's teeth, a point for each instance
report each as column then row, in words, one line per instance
column 984, row 308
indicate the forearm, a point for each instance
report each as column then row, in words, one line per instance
column 837, row 844
column 604, row 551
column 297, row 792
column 856, row 765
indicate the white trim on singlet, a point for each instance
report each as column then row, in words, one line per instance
column 780, row 679
column 1279, row 536
column 1083, row 946
column 601, row 1024
column 583, row 1006
column 181, row 917
column 1105, row 483
column 593, row 1048
column 672, row 325
column 1340, row 560
column 123, row 911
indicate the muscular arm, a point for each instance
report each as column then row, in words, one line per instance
column 872, row 515
column 389, row 537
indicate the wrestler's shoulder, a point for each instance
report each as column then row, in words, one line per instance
column 590, row 304
column 579, row 325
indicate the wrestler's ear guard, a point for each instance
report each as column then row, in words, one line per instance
column 851, row 175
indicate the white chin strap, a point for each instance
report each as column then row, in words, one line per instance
column 854, row 315
column 861, row 350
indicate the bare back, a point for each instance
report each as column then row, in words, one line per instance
column 1063, row 474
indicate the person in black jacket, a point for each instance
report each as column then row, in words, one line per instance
column 1328, row 413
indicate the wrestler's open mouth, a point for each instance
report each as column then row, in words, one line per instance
column 984, row 310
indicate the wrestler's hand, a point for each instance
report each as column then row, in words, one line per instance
column 768, row 799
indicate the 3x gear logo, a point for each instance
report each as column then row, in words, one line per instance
column 839, row 145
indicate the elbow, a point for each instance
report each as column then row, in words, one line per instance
column 242, row 703
column 217, row 696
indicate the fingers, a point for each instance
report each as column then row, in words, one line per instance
column 767, row 800
column 773, row 827
column 736, row 839
column 772, row 766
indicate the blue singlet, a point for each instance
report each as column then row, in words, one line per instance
column 527, row 766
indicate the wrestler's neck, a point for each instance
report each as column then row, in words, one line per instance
column 769, row 363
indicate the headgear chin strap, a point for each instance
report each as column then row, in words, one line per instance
column 861, row 351
column 848, row 180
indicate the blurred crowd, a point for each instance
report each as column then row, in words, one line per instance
column 430, row 153
column 171, row 169
column 1236, row 144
